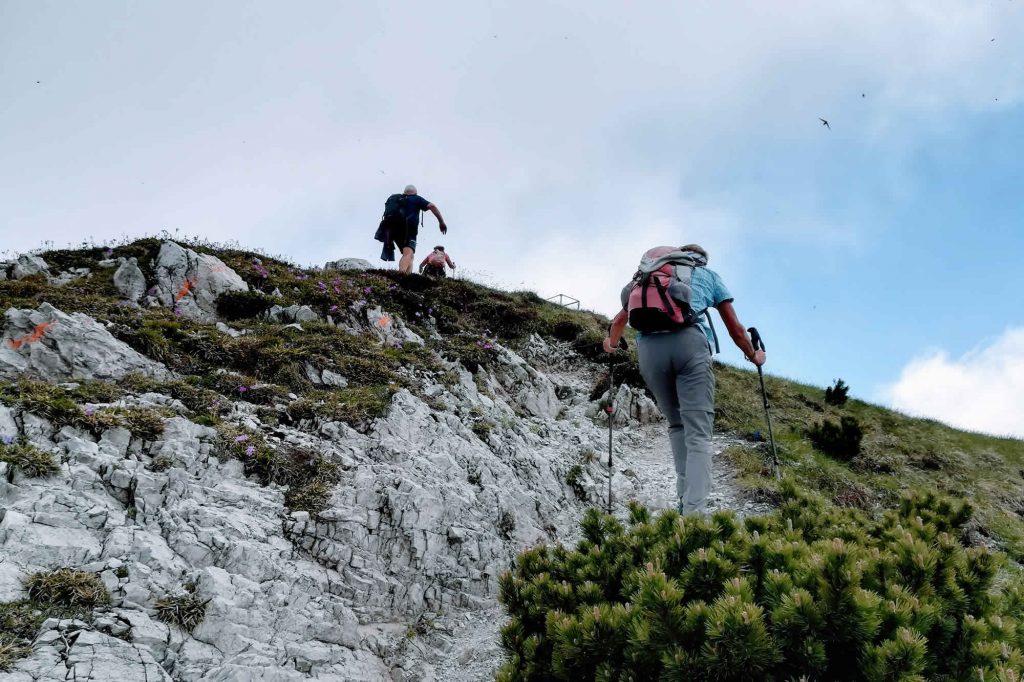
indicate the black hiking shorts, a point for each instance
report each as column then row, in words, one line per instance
column 405, row 237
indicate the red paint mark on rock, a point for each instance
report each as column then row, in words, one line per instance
column 185, row 288
column 34, row 336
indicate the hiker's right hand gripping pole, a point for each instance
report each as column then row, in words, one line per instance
column 758, row 343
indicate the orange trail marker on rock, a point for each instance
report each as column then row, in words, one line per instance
column 36, row 335
column 384, row 321
column 185, row 288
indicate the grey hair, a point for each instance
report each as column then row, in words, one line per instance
column 409, row 189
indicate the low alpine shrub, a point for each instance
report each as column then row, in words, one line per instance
column 841, row 441
column 836, row 394
column 238, row 305
column 809, row 592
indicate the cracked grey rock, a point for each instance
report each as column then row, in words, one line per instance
column 129, row 280
column 292, row 314
column 348, row 264
column 190, row 282
column 424, row 518
column 27, row 265
column 47, row 344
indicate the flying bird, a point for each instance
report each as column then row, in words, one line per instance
column 863, row 95
column 824, row 123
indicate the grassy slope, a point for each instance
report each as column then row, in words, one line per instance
column 898, row 452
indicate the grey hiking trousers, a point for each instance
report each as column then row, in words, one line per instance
column 677, row 368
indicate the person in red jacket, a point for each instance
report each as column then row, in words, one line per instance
column 433, row 264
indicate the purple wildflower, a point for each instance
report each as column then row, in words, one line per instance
column 250, row 451
column 7, row 439
column 242, row 438
column 108, row 252
column 333, row 309
column 90, row 409
column 151, row 291
column 177, row 311
column 367, row 290
column 321, row 286
column 361, row 301
column 243, row 389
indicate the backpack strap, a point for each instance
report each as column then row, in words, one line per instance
column 714, row 334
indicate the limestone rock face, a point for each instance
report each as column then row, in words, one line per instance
column 28, row 265
column 433, row 500
column 47, row 344
column 129, row 280
column 348, row 264
column 190, row 282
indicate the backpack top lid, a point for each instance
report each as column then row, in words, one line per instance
column 660, row 256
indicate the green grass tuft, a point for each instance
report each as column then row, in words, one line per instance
column 28, row 460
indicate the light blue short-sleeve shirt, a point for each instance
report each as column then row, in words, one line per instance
column 707, row 291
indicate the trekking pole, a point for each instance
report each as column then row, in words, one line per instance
column 610, row 409
column 758, row 342
column 611, row 417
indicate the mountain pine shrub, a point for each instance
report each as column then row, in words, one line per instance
column 837, row 393
column 238, row 305
column 809, row 592
column 841, row 441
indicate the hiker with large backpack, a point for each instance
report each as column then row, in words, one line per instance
column 399, row 226
column 664, row 302
column 433, row 264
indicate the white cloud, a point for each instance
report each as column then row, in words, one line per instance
column 982, row 391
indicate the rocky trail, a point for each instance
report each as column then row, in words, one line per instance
column 395, row 578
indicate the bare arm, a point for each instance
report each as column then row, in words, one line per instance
column 615, row 330
column 739, row 334
column 448, row 259
column 437, row 214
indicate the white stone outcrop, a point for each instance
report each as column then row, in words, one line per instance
column 292, row 314
column 348, row 264
column 190, row 282
column 47, row 344
column 27, row 265
column 129, row 280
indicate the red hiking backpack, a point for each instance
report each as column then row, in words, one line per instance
column 658, row 297
column 436, row 259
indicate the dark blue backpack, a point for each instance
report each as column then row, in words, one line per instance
column 394, row 205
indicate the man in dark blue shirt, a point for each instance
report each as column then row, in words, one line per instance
column 413, row 205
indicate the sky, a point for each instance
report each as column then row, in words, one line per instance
column 562, row 139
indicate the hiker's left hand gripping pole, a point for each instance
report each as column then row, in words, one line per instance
column 758, row 343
